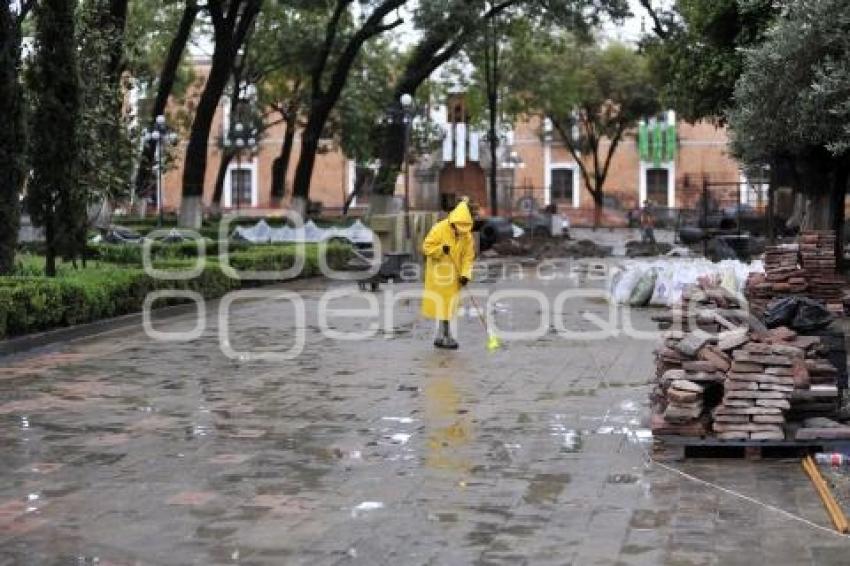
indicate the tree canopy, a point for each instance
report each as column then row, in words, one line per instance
column 698, row 52
column 593, row 96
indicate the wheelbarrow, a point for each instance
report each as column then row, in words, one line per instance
column 390, row 269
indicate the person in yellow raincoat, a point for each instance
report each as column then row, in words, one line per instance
column 449, row 253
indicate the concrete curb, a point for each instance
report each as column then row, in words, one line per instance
column 22, row 344
column 28, row 342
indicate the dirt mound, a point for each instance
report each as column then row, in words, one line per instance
column 634, row 248
column 551, row 248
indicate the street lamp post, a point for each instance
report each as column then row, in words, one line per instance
column 159, row 134
column 238, row 140
column 406, row 102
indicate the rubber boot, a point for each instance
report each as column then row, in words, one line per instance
column 440, row 340
column 449, row 343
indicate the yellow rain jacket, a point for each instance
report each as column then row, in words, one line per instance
column 443, row 272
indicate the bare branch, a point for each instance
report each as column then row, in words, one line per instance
column 330, row 39
column 566, row 138
column 657, row 26
column 385, row 28
column 370, row 29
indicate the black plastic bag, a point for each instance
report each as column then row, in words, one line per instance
column 800, row 314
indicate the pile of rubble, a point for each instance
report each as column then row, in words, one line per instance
column 718, row 376
column 636, row 248
column 548, row 248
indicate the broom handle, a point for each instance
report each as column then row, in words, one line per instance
column 480, row 313
column 474, row 302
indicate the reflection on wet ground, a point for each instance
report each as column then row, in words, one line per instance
column 120, row 450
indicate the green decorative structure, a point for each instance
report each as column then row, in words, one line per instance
column 657, row 142
column 643, row 141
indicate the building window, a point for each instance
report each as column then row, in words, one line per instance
column 656, row 185
column 562, row 185
column 240, row 188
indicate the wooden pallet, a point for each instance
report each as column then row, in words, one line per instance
column 677, row 448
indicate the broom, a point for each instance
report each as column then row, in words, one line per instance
column 493, row 342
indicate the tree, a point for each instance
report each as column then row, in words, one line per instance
column 105, row 148
column 12, row 132
column 232, row 21
column 273, row 68
column 151, row 25
column 328, row 75
column 593, row 96
column 448, row 26
column 55, row 199
column 790, row 107
column 492, row 61
column 698, row 52
column 362, row 105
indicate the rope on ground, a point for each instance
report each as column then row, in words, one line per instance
column 747, row 498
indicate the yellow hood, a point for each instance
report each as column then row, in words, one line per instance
column 461, row 218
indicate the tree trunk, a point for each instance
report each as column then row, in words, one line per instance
column 392, row 159
column 598, row 201
column 491, row 69
column 309, row 148
column 221, row 176
column 195, row 163
column 814, row 169
column 12, row 139
column 494, row 165
column 50, row 248
column 167, row 77
column 839, row 196
column 280, row 166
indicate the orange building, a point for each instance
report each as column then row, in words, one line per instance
column 535, row 169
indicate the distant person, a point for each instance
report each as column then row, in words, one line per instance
column 449, row 253
column 647, row 223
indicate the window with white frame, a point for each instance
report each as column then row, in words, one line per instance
column 562, row 188
column 241, row 187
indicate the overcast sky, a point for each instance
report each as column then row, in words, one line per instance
column 629, row 31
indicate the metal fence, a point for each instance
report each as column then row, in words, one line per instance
column 716, row 206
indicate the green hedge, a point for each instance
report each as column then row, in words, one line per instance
column 129, row 254
column 31, row 304
column 35, row 303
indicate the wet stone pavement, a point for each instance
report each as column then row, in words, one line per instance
column 124, row 450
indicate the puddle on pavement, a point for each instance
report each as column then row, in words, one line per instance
column 571, row 439
column 366, row 507
column 443, row 517
column 649, row 519
column 545, row 488
column 618, row 479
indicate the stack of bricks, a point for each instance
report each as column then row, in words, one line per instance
column 817, row 253
column 782, row 276
column 758, row 386
column 688, row 367
column 816, row 392
column 715, row 376
column 740, row 384
column 807, row 268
